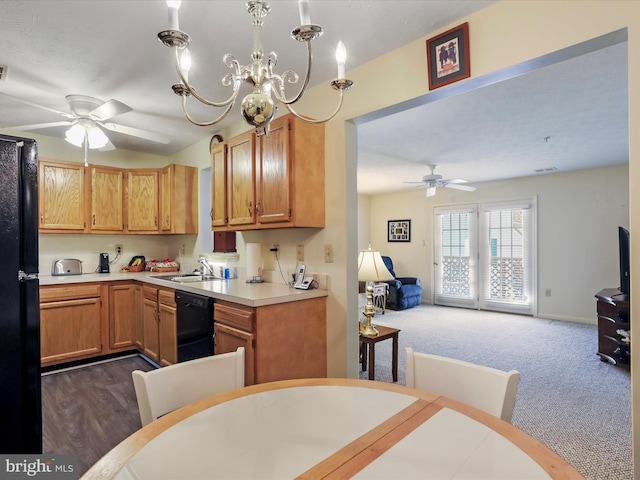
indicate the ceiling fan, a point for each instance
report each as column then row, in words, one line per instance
column 433, row 180
column 88, row 120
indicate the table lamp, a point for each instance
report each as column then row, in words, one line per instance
column 371, row 269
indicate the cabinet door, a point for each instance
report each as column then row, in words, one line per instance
column 61, row 196
column 273, row 164
column 165, row 198
column 142, row 201
column 168, row 334
column 106, row 199
column 228, row 339
column 150, row 329
column 218, row 185
column 241, row 177
column 122, row 315
column 70, row 329
column 138, row 333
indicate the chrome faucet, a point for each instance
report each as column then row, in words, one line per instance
column 206, row 265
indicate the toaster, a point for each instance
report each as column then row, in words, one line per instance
column 66, row 266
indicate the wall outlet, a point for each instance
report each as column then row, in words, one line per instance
column 300, row 253
column 547, row 292
column 328, row 253
column 118, row 249
column 275, row 249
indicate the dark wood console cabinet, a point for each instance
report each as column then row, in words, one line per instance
column 613, row 315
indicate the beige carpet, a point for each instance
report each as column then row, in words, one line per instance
column 567, row 398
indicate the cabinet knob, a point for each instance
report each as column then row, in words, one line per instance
column 258, row 207
column 250, row 205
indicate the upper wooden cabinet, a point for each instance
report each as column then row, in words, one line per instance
column 178, row 199
column 142, row 200
column 241, row 194
column 218, row 185
column 106, row 193
column 273, row 181
column 99, row 199
column 61, row 196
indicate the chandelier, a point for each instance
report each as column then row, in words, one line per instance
column 258, row 106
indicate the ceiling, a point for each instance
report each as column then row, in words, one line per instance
column 566, row 116
column 109, row 49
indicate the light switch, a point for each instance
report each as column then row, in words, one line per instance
column 328, row 253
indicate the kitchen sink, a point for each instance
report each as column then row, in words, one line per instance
column 186, row 277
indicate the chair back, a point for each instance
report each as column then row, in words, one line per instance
column 168, row 388
column 488, row 389
column 389, row 264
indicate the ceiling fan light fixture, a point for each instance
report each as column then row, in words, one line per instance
column 75, row 135
column 96, row 138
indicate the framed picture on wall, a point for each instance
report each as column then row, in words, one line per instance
column 399, row 231
column 448, row 57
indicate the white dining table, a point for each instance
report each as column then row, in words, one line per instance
column 329, row 428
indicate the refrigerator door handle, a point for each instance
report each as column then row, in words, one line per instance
column 23, row 277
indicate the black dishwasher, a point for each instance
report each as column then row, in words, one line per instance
column 194, row 325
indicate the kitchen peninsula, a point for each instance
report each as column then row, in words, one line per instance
column 85, row 316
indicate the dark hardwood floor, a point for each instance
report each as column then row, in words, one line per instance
column 88, row 410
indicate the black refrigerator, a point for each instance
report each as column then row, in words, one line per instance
column 20, row 402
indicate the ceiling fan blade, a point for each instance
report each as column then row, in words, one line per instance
column 417, row 183
column 110, row 109
column 26, row 102
column 466, row 188
column 108, row 147
column 136, row 132
column 455, row 180
column 431, row 191
column 37, row 126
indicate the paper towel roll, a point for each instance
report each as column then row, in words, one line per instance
column 254, row 259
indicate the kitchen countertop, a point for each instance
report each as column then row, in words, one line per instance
column 234, row 290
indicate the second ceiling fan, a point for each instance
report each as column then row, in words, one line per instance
column 434, row 180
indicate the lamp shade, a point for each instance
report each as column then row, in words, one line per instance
column 371, row 268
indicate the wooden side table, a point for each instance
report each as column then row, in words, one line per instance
column 368, row 350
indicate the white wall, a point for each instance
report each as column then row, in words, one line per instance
column 577, row 222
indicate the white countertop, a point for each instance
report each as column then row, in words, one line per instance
column 234, row 290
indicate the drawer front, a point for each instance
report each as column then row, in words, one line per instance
column 69, row 292
column 150, row 293
column 619, row 314
column 167, row 297
column 233, row 316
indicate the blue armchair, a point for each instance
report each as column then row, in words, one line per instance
column 404, row 292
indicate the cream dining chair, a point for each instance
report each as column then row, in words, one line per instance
column 488, row 389
column 168, row 388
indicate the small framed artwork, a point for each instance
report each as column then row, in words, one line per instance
column 399, row 231
column 448, row 57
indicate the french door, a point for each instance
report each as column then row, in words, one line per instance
column 484, row 256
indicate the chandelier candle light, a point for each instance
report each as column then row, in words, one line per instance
column 371, row 268
column 258, row 106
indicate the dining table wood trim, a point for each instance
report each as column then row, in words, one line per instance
column 359, row 453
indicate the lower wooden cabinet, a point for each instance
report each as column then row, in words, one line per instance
column 159, row 341
column 150, row 323
column 124, row 311
column 282, row 341
column 228, row 339
column 167, row 337
column 70, row 323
